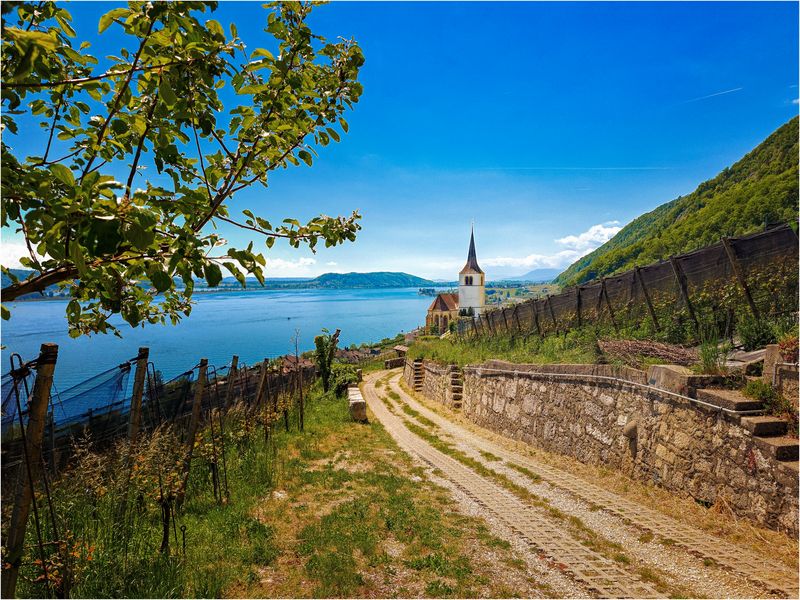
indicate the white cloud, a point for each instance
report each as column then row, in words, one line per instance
column 279, row 267
column 575, row 246
column 331, row 263
column 10, row 253
column 593, row 237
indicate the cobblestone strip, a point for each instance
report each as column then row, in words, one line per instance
column 761, row 570
column 599, row 574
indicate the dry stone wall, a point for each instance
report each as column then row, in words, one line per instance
column 606, row 415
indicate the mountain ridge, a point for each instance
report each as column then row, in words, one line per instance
column 761, row 186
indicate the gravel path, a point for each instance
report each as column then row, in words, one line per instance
column 600, row 575
column 691, row 558
column 762, row 575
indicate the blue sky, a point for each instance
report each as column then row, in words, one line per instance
column 548, row 124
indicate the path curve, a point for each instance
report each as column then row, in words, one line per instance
column 761, row 570
column 599, row 574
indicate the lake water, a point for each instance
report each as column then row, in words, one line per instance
column 253, row 325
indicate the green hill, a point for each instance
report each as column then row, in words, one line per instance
column 380, row 279
column 761, row 186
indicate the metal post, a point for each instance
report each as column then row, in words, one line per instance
column 37, row 414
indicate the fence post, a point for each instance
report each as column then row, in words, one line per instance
column 516, row 317
column 505, row 321
column 578, row 304
column 262, row 382
column 37, row 414
column 604, row 294
column 195, row 419
column 637, row 274
column 232, row 374
column 135, row 417
column 536, row 316
column 549, row 303
column 681, row 279
column 737, row 270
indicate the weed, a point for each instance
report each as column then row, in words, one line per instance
column 489, row 456
column 646, row 537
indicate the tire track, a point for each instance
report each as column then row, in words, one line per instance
column 599, row 574
column 760, row 570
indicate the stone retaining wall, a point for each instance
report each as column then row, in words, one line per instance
column 648, row 434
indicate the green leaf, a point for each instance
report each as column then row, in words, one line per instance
column 63, row 174
column 159, row 278
column 6, row 314
column 107, row 19
column 213, row 274
column 166, row 94
column 76, row 256
column 305, row 157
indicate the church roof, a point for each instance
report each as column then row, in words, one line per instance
column 472, row 260
column 444, row 302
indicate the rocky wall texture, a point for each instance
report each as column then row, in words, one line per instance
column 606, row 415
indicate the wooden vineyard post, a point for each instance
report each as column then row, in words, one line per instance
column 32, row 439
column 135, row 418
column 549, row 303
column 737, row 270
column 474, row 329
column 637, row 274
column 262, row 382
column 232, row 374
column 505, row 321
column 193, row 423
column 516, row 317
column 681, row 279
column 578, row 304
column 604, row 294
column 299, row 370
column 491, row 327
column 536, row 316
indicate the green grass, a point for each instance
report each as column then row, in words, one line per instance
column 310, row 513
column 574, row 347
column 489, row 456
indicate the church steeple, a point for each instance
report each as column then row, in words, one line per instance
column 472, row 259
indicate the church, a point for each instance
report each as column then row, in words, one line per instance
column 468, row 302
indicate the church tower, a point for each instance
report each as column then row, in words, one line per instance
column 471, row 290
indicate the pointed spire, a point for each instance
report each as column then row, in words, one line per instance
column 472, row 259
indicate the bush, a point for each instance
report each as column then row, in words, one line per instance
column 760, row 390
column 712, row 353
column 755, row 333
column 342, row 376
column 774, row 403
column 789, row 348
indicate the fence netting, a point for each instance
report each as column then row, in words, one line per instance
column 751, row 274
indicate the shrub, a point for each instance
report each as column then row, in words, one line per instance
column 712, row 353
column 755, row 333
column 789, row 348
column 342, row 376
column 760, row 390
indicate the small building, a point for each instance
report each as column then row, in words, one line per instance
column 470, row 300
column 442, row 311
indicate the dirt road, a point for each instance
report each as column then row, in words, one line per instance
column 608, row 545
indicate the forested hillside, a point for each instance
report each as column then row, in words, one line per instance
column 761, row 187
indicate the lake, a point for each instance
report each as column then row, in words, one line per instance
column 252, row 324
